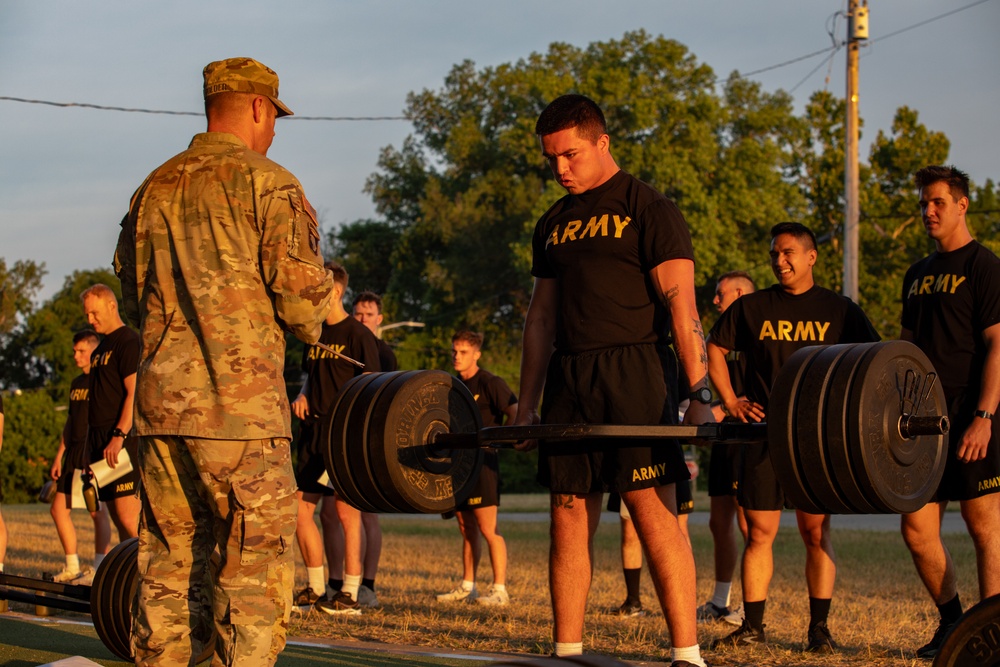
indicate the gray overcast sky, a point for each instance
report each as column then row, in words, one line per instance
column 66, row 174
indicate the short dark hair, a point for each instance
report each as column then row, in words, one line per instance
column 572, row 110
column 84, row 334
column 796, row 229
column 473, row 338
column 738, row 275
column 339, row 273
column 957, row 180
column 368, row 297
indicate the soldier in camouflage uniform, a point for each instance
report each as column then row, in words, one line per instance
column 218, row 255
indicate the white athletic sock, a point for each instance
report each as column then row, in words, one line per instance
column 1, row 567
column 500, row 587
column 691, row 654
column 720, row 598
column 351, row 584
column 72, row 562
column 98, row 559
column 468, row 585
column 568, row 648
column 317, row 579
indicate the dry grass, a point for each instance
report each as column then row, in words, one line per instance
column 880, row 613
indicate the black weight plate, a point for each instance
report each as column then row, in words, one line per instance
column 838, row 450
column 810, row 428
column 900, row 475
column 341, row 421
column 975, row 638
column 122, row 593
column 104, row 601
column 368, row 481
column 593, row 661
column 414, row 476
column 782, row 412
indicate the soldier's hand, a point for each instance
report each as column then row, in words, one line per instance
column 111, row 451
column 56, row 471
column 526, row 417
column 746, row 411
column 975, row 440
column 300, row 406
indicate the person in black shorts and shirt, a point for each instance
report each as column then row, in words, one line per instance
column 113, row 366
column 951, row 310
column 614, row 271
column 326, row 373
column 758, row 324
column 723, row 474
column 71, row 456
column 478, row 514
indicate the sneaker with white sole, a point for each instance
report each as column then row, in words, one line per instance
column 494, row 598
column 743, row 636
column 86, row 577
column 367, row 597
column 304, row 600
column 340, row 604
column 712, row 612
column 630, row 608
column 67, row 576
column 458, row 595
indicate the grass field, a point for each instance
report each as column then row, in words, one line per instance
column 880, row 613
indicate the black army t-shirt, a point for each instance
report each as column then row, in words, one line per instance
column 115, row 359
column 327, row 373
column 77, row 454
column 769, row 325
column 386, row 357
column 492, row 396
column 601, row 246
column 949, row 298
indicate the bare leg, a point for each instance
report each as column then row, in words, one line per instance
column 306, row 532
column 821, row 565
column 372, row 543
column 486, row 517
column 574, row 521
column 720, row 521
column 758, row 557
column 472, row 549
column 125, row 513
column 671, row 563
column 350, row 519
column 333, row 538
column 982, row 518
column 631, row 547
column 922, row 534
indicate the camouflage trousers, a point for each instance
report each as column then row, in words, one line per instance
column 199, row 496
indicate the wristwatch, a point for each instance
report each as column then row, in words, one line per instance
column 118, row 433
column 985, row 414
column 703, row 395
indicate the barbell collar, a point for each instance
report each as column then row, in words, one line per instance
column 911, row 426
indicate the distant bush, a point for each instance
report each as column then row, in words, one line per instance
column 30, row 439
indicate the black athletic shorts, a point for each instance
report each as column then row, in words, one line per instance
column 624, row 386
column 685, row 501
column 309, row 466
column 127, row 485
column 965, row 481
column 723, row 469
column 65, row 482
column 758, row 485
column 487, row 490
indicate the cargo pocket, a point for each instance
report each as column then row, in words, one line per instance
column 266, row 522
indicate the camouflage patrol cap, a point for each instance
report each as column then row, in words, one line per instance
column 243, row 75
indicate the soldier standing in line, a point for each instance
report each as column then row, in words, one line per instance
column 73, row 448
column 218, row 256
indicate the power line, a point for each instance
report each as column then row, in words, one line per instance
column 101, row 107
column 930, row 20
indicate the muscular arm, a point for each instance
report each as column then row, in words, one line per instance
column 674, row 283
column 124, row 422
column 537, row 344
column 56, row 471
column 976, row 439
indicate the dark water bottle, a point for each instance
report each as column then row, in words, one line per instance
column 90, row 493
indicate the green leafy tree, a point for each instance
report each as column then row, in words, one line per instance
column 31, row 435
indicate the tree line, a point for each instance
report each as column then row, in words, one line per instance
column 456, row 203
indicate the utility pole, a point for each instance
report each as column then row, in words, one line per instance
column 857, row 31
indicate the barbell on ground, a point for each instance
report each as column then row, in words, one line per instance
column 108, row 599
column 974, row 639
column 851, row 429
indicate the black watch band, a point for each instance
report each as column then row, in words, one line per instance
column 703, row 395
column 984, row 414
column 118, row 433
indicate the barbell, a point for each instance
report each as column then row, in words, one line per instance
column 851, row 429
column 108, row 599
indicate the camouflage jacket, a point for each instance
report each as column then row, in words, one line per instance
column 218, row 253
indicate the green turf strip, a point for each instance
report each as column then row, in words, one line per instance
column 26, row 644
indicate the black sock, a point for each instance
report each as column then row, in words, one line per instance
column 753, row 614
column 335, row 584
column 950, row 610
column 819, row 610
column 632, row 583
column 370, row 583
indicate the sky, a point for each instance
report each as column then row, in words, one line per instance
column 66, row 174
